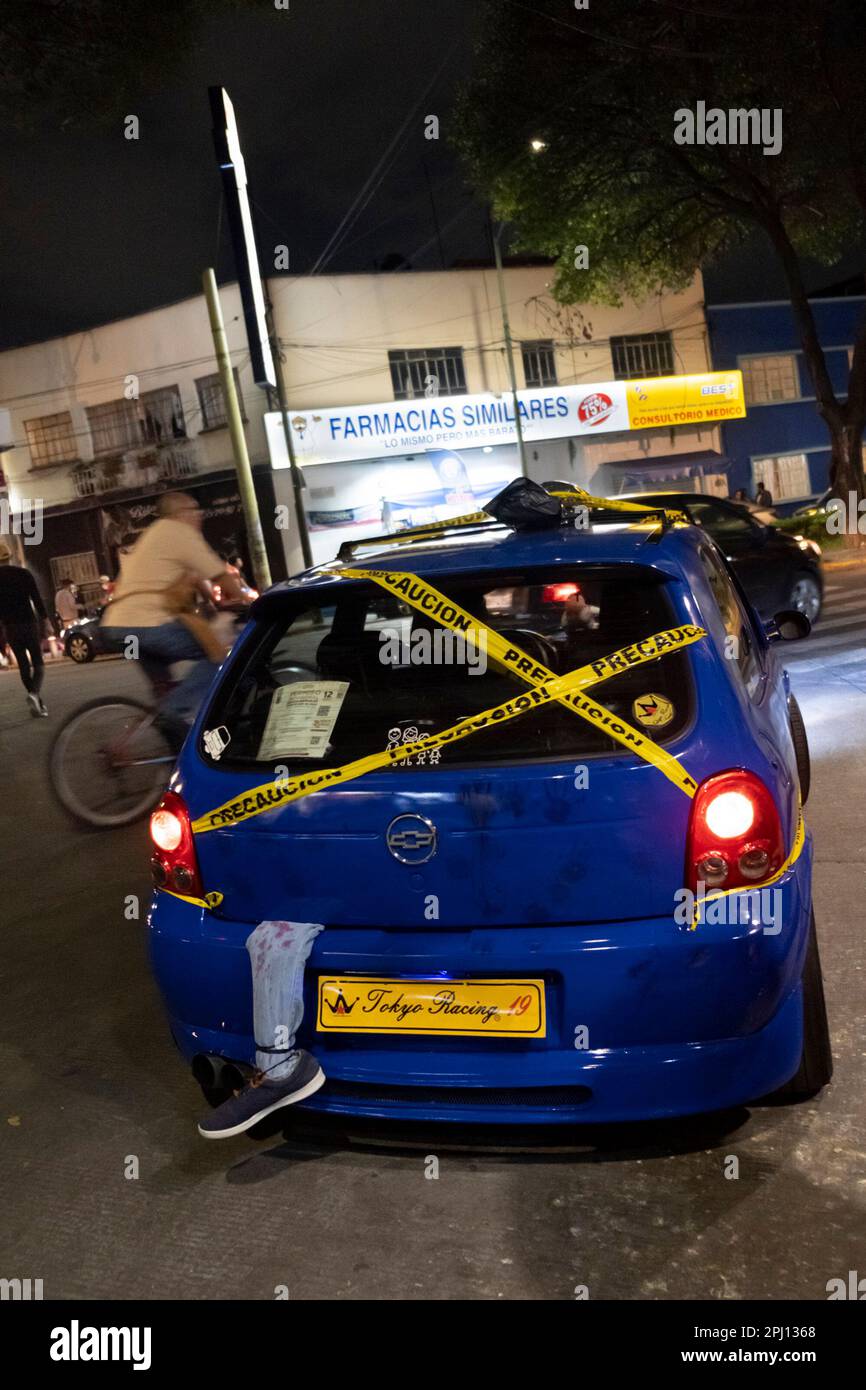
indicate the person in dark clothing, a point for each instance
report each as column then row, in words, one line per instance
column 763, row 496
column 23, row 614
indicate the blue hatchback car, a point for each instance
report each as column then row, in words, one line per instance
column 558, row 853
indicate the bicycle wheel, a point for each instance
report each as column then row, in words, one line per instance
column 108, row 763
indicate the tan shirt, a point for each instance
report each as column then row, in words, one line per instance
column 167, row 550
column 65, row 605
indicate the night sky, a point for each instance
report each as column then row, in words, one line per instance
column 95, row 227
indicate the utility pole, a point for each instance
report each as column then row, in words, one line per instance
column 509, row 352
column 249, row 501
column 298, row 483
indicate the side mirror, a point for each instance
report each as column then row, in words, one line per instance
column 788, row 626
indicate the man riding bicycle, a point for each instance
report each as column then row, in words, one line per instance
column 170, row 557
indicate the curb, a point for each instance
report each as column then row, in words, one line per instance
column 854, row 562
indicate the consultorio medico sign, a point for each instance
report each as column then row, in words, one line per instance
column 335, row 434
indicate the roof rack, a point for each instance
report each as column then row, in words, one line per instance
column 478, row 522
column 418, row 535
column 665, row 520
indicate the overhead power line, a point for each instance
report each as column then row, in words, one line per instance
column 379, row 170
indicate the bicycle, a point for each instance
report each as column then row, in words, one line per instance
column 110, row 759
column 109, row 762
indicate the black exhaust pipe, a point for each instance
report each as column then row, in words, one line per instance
column 216, row 1073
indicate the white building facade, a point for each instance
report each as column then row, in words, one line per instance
column 372, row 359
column 400, row 406
column 106, row 420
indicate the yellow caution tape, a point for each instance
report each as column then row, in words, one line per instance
column 546, row 686
column 421, row 595
column 614, row 504
column 429, row 530
column 566, row 690
column 210, row 900
column 271, row 795
column 430, row 527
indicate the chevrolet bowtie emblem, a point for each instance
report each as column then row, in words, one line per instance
column 411, row 839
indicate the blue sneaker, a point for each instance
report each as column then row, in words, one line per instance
column 261, row 1096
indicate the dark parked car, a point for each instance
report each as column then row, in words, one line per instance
column 80, row 642
column 777, row 570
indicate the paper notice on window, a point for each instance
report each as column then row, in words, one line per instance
column 301, row 720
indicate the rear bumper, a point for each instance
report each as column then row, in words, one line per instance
column 627, row 1085
column 678, row 1022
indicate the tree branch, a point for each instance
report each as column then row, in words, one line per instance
column 828, row 404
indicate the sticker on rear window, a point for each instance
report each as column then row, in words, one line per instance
column 301, row 719
column 216, row 741
column 411, row 734
column 653, row 711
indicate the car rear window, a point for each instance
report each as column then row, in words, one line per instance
column 336, row 674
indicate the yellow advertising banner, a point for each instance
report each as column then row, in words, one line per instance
column 705, row 397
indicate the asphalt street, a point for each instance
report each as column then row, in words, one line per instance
column 110, row 1193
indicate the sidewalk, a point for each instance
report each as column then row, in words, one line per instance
column 844, row 559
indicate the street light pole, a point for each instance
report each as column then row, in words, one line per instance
column 297, row 476
column 509, row 352
column 246, row 488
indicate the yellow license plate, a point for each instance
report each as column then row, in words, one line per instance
column 461, row 1008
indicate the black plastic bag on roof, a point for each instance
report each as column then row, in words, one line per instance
column 525, row 505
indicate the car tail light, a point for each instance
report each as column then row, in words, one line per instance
column 174, row 864
column 735, row 835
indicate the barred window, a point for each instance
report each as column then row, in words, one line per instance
column 212, row 400
column 427, row 371
column 80, row 567
column 770, row 378
column 51, row 439
column 642, row 354
column 160, row 414
column 539, row 363
column 113, row 426
column 155, row 418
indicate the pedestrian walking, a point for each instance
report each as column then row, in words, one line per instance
column 23, row 615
